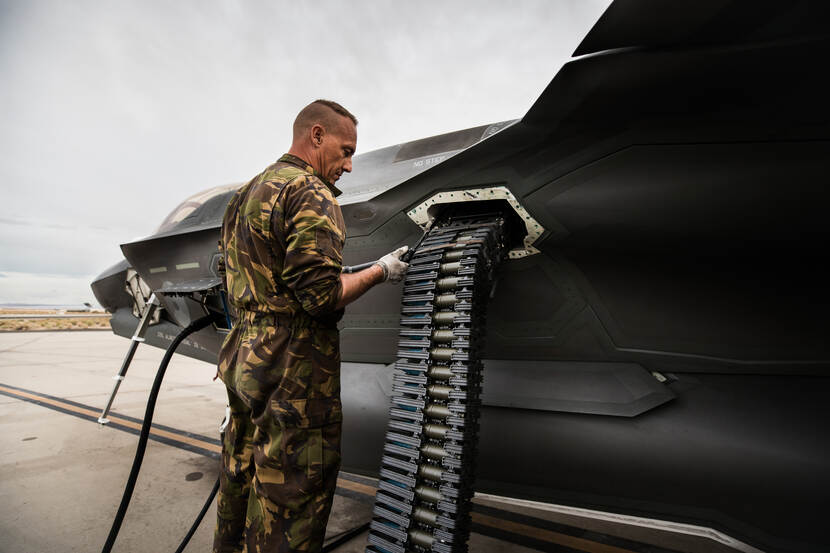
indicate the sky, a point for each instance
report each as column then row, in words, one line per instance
column 113, row 112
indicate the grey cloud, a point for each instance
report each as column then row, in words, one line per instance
column 115, row 112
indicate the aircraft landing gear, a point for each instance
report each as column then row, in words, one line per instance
column 138, row 337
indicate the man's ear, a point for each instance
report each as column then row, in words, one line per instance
column 317, row 132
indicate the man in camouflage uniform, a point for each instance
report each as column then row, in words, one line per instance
column 283, row 236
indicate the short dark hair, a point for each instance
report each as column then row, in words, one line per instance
column 336, row 108
column 320, row 111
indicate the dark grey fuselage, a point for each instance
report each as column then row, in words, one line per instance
column 666, row 353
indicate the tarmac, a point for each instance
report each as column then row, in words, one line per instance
column 62, row 474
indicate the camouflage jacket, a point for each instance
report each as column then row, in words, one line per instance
column 283, row 236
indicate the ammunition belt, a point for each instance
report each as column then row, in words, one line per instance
column 426, row 477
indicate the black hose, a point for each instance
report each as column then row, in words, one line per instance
column 199, row 518
column 406, row 257
column 356, row 268
column 145, row 428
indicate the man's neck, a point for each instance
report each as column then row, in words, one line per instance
column 306, row 154
column 301, row 154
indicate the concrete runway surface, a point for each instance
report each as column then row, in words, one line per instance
column 62, row 475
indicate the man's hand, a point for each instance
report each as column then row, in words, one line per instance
column 389, row 267
column 393, row 268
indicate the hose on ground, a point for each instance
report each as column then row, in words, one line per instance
column 145, row 428
column 199, row 518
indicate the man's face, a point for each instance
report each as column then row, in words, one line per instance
column 338, row 146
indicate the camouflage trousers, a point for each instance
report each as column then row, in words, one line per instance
column 276, row 484
column 281, row 449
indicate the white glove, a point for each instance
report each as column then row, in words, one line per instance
column 393, row 268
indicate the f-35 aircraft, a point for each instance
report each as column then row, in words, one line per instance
column 657, row 334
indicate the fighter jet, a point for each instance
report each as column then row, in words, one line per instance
column 657, row 334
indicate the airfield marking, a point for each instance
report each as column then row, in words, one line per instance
column 522, row 534
column 120, row 421
column 169, row 435
column 356, row 487
column 159, row 433
column 542, row 534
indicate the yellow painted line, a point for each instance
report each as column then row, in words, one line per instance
column 115, row 418
column 546, row 535
column 347, row 484
column 356, row 487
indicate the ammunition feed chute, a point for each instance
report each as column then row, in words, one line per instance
column 426, row 477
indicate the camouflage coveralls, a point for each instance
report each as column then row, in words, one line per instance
column 283, row 235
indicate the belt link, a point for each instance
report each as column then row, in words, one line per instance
column 426, row 472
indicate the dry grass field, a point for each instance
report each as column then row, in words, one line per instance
column 82, row 320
